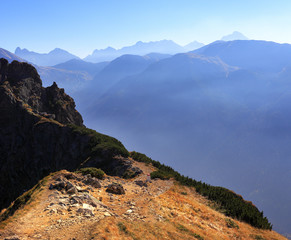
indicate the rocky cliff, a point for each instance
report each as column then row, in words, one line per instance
column 41, row 132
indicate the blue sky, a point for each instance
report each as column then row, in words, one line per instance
column 82, row 26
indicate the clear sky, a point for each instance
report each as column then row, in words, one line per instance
column 80, row 26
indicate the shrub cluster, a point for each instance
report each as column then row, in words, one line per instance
column 232, row 204
column 100, row 144
column 94, row 172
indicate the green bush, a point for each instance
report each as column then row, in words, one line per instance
column 94, row 172
column 233, row 205
column 122, row 227
column 129, row 174
column 100, row 144
column 230, row 223
column 160, row 174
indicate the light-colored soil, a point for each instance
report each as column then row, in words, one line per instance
column 162, row 210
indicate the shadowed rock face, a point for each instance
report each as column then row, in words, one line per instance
column 24, row 83
column 37, row 133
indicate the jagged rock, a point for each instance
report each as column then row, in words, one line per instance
column 85, row 211
column 72, row 190
column 36, row 135
column 115, row 188
column 79, row 189
column 141, row 183
column 12, row 238
column 92, row 182
column 58, row 185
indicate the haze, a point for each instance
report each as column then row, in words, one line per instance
column 82, row 26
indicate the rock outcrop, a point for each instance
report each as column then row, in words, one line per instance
column 41, row 132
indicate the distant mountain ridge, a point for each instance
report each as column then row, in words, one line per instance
column 142, row 48
column 9, row 56
column 257, row 55
column 54, row 57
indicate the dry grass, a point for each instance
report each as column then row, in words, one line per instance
column 170, row 212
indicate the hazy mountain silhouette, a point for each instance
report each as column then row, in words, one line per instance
column 82, row 66
column 193, row 45
column 234, row 36
column 54, row 57
column 9, row 56
column 221, row 117
column 140, row 48
column 121, row 67
column 259, row 56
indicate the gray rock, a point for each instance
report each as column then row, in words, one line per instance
column 141, row 183
column 115, row 188
column 92, row 182
column 85, row 211
column 12, row 238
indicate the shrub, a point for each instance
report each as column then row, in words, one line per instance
column 100, row 144
column 129, row 174
column 122, row 227
column 94, row 172
column 160, row 174
column 230, row 223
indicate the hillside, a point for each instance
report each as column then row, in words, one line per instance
column 160, row 209
column 41, row 132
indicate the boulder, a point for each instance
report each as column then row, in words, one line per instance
column 92, row 182
column 141, row 183
column 115, row 188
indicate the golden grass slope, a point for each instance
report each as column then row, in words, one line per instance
column 163, row 210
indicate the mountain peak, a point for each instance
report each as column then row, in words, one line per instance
column 234, row 36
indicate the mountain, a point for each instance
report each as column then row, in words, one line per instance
column 123, row 66
column 259, row 56
column 140, row 48
column 234, row 36
column 193, row 45
column 54, row 57
column 225, row 105
column 72, row 75
column 82, row 66
column 41, row 132
column 9, row 56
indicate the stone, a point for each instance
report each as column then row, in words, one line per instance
column 12, row 238
column 107, row 214
column 141, row 183
column 58, row 185
column 85, row 211
column 115, row 188
column 92, row 182
column 72, row 190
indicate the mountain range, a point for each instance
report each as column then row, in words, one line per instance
column 225, row 105
column 141, row 48
column 59, row 179
column 58, row 56
column 54, row 57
